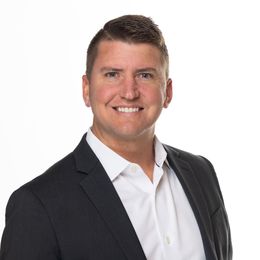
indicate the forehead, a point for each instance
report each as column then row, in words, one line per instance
column 111, row 51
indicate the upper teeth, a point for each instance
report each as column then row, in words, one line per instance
column 128, row 109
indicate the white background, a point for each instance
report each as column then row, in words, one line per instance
column 214, row 48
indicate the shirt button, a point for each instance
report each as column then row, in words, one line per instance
column 167, row 240
column 134, row 168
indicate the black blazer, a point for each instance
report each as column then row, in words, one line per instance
column 73, row 212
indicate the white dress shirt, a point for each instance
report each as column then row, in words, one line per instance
column 159, row 211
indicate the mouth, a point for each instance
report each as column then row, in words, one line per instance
column 128, row 109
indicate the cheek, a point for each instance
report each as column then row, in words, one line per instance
column 101, row 95
column 155, row 97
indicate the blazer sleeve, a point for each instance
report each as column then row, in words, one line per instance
column 28, row 234
column 220, row 223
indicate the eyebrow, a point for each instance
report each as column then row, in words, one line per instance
column 150, row 69
column 104, row 69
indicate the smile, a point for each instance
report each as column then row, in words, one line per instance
column 128, row 109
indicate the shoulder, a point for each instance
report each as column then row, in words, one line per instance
column 61, row 170
column 54, row 181
column 61, row 179
column 201, row 168
column 45, row 193
column 192, row 159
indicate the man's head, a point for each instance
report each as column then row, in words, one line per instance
column 129, row 29
column 127, row 84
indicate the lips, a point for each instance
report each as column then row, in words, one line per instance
column 128, row 109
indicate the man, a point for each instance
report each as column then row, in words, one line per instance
column 121, row 194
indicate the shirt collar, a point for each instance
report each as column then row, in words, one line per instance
column 113, row 163
column 159, row 152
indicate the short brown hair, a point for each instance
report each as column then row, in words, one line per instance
column 131, row 29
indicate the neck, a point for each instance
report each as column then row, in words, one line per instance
column 138, row 150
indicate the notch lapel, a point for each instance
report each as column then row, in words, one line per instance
column 196, row 198
column 100, row 190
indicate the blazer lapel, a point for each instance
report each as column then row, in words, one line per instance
column 196, row 198
column 101, row 192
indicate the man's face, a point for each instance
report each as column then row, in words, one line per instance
column 127, row 90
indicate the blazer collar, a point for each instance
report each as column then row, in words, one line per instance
column 195, row 196
column 100, row 190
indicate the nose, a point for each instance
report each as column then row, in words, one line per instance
column 129, row 89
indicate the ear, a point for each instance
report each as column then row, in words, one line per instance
column 168, row 93
column 85, row 90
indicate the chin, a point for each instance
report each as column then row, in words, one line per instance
column 132, row 134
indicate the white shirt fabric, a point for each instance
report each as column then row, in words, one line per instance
column 159, row 211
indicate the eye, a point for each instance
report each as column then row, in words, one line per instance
column 145, row 75
column 111, row 74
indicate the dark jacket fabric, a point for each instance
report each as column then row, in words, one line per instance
column 73, row 212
